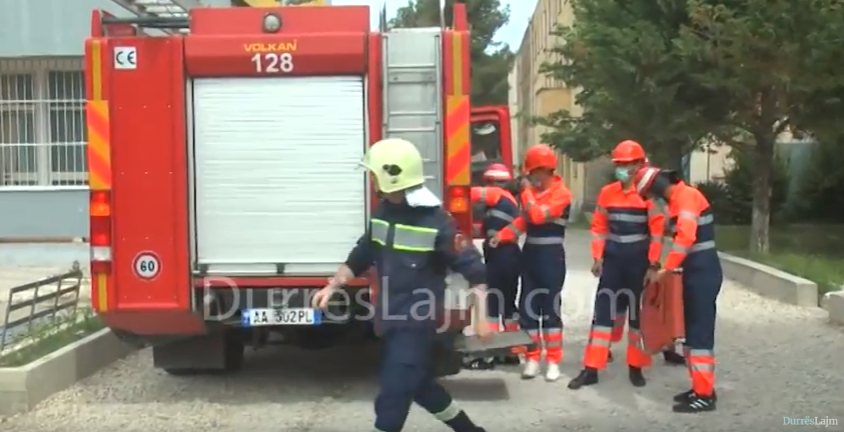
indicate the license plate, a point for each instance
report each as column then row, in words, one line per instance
column 289, row 316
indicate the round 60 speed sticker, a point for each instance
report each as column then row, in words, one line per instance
column 147, row 265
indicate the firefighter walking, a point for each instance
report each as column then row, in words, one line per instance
column 546, row 204
column 693, row 227
column 626, row 243
column 409, row 239
column 502, row 262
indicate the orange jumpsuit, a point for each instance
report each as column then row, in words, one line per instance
column 692, row 224
column 543, row 220
column 627, row 236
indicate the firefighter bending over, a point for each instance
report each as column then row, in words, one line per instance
column 502, row 262
column 411, row 242
column 693, row 227
column 545, row 211
column 626, row 243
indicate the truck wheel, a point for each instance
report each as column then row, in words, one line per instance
column 233, row 353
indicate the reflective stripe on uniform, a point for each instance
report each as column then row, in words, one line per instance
column 629, row 238
column 544, row 240
column 498, row 214
column 378, row 231
column 697, row 247
column 622, row 217
column 414, row 238
column 448, row 414
column 701, row 220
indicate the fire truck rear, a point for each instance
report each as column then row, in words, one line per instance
column 223, row 164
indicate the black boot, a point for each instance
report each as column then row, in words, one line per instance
column 479, row 364
column 508, row 360
column 671, row 357
column 610, row 357
column 636, row 377
column 695, row 404
column 688, row 394
column 587, row 377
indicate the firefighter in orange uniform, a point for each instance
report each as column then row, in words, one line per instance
column 502, row 262
column 693, row 227
column 626, row 244
column 669, row 354
column 546, row 204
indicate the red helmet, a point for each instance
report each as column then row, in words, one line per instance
column 628, row 151
column 540, row 156
column 497, row 172
column 644, row 179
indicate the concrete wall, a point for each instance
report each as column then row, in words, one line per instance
column 43, row 213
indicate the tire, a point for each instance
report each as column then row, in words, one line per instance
column 233, row 354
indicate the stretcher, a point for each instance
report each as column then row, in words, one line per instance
column 662, row 319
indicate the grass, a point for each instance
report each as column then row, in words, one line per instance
column 815, row 252
column 51, row 337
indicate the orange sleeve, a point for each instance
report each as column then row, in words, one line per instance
column 486, row 195
column 686, row 235
column 519, row 225
column 599, row 228
column 476, row 193
column 559, row 199
column 656, row 224
column 515, row 229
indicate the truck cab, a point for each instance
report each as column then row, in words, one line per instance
column 491, row 143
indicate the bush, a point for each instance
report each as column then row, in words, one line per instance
column 732, row 200
column 717, row 193
column 820, row 194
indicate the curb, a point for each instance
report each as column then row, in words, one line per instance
column 23, row 387
column 770, row 282
column 833, row 303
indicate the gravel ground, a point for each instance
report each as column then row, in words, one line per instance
column 775, row 361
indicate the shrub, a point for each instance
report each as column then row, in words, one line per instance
column 732, row 201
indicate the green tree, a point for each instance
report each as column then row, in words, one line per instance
column 635, row 82
column 490, row 60
column 771, row 57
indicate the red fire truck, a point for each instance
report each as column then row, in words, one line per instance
column 224, row 146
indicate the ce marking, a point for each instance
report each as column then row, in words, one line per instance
column 125, row 58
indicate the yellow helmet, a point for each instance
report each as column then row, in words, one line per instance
column 396, row 164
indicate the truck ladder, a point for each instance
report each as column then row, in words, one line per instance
column 413, row 95
column 167, row 9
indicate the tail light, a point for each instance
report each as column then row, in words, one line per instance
column 459, row 207
column 100, row 214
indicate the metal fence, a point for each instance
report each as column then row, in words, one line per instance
column 42, row 123
column 40, row 306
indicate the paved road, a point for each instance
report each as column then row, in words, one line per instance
column 775, row 361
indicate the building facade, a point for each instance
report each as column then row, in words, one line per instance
column 43, row 179
column 537, row 95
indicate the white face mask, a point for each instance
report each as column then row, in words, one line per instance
column 422, row 197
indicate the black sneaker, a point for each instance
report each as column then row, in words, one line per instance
column 587, row 377
column 695, row 404
column 636, row 377
column 686, row 395
column 673, row 358
column 610, row 357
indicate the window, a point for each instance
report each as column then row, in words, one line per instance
column 18, row 148
column 68, row 132
column 42, row 128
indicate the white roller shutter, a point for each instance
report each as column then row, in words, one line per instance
column 277, row 179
